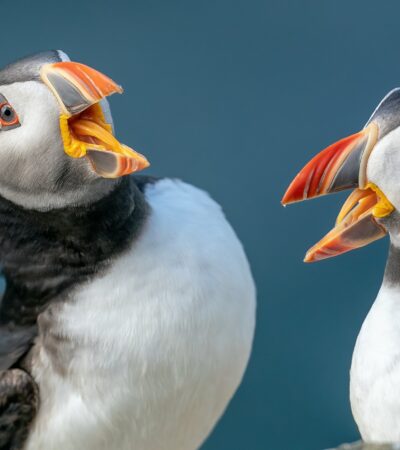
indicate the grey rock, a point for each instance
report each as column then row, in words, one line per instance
column 363, row 446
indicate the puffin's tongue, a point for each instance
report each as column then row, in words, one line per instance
column 88, row 135
column 101, row 144
column 87, row 129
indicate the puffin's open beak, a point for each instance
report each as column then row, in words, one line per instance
column 79, row 89
column 342, row 166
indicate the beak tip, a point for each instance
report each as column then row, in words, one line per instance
column 296, row 192
column 144, row 165
column 285, row 200
column 143, row 162
column 311, row 256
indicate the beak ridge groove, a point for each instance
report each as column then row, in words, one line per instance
column 340, row 166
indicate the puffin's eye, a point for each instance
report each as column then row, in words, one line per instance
column 7, row 115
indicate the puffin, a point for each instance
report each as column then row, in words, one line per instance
column 128, row 315
column 368, row 162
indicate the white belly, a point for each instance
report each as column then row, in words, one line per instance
column 154, row 349
column 375, row 372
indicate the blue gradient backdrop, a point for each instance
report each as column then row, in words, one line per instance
column 234, row 96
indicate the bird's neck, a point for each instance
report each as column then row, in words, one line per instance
column 45, row 253
column 392, row 270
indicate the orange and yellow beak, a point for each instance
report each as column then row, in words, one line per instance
column 343, row 165
column 84, row 129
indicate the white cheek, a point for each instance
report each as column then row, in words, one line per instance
column 39, row 116
column 384, row 166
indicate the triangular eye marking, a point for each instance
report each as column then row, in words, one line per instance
column 8, row 116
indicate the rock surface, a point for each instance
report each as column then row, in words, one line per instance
column 362, row 446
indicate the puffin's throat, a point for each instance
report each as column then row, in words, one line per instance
column 43, row 254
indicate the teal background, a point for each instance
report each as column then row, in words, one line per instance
column 235, row 96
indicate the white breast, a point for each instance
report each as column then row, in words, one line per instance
column 375, row 372
column 151, row 352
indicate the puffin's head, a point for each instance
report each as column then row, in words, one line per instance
column 57, row 144
column 368, row 162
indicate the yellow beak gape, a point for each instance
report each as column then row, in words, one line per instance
column 383, row 208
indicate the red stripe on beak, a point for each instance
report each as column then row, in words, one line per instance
column 319, row 175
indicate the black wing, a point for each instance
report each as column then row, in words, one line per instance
column 19, row 398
